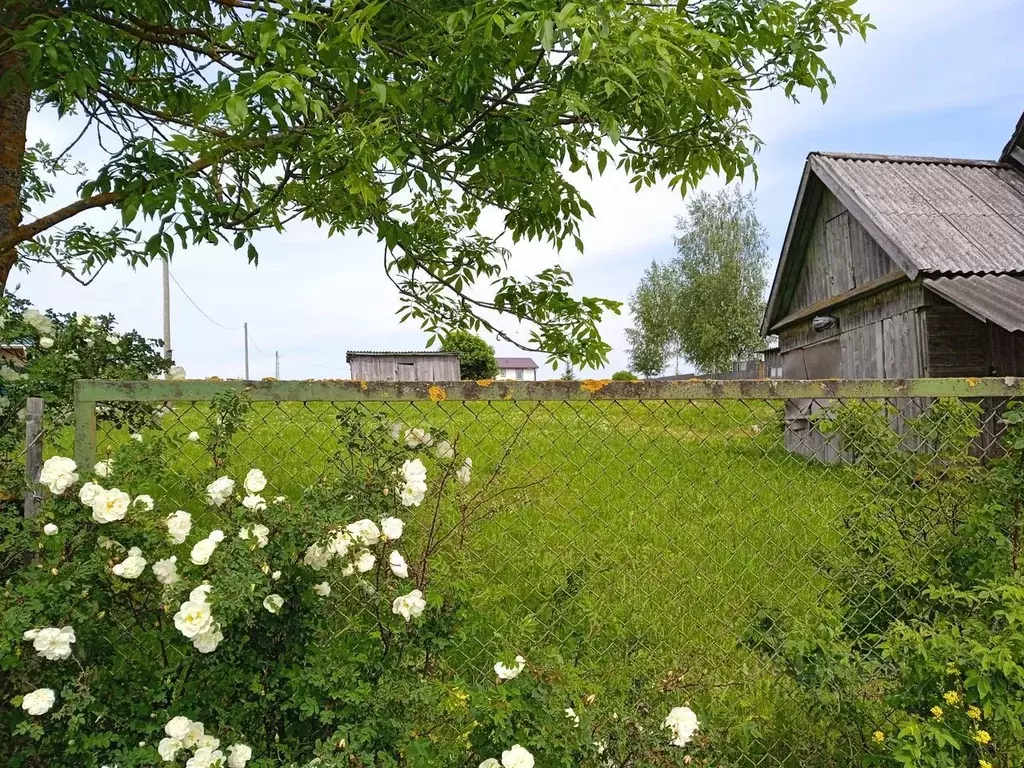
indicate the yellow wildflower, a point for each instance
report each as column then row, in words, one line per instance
column 984, row 764
column 974, row 713
column 983, row 737
column 936, row 712
column 952, row 669
column 878, row 736
column 952, row 697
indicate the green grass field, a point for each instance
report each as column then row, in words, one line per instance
column 633, row 534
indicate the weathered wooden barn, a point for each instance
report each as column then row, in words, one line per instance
column 404, row 366
column 901, row 267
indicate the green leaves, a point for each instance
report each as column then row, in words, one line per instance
column 221, row 122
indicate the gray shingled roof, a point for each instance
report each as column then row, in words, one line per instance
column 939, row 216
column 516, row 362
column 998, row 298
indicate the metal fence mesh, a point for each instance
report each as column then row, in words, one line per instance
column 649, row 536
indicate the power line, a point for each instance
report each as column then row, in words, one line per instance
column 292, row 359
column 198, row 308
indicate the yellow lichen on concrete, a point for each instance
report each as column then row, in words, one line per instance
column 363, row 386
column 484, row 382
column 437, row 394
column 593, row 386
column 971, row 381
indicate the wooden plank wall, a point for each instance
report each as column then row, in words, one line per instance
column 405, row 368
column 840, row 256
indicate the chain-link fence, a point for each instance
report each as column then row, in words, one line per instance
column 670, row 530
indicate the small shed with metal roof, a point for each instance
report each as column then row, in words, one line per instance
column 403, row 366
column 902, row 267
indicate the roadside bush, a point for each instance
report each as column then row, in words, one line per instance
column 253, row 629
column 916, row 656
column 624, row 376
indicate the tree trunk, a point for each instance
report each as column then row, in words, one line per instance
column 15, row 100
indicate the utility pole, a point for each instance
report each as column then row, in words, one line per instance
column 277, row 364
column 245, row 327
column 167, row 312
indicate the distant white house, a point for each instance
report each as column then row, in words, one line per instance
column 518, row 368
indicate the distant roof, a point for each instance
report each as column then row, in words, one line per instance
column 415, row 353
column 516, row 362
column 996, row 298
column 1014, row 150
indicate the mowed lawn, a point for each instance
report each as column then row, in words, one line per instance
column 632, row 533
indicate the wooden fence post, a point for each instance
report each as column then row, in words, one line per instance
column 33, row 453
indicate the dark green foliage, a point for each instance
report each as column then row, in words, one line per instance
column 624, row 376
column 476, row 356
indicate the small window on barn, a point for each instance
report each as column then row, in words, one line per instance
column 519, row 373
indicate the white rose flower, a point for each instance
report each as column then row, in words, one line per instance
column 255, row 481
column 177, row 727
column 145, row 501
column 570, row 713
column 239, row 755
column 254, row 503
column 348, row 569
column 205, row 757
column 396, row 431
column 52, row 643
column 110, row 506
column 39, row 702
column 136, row 436
column 50, row 529
column 276, row 575
column 193, row 618
column 413, row 471
column 58, row 474
column 168, row 748
column 132, row 566
column 682, row 721
column 317, row 557
column 207, row 642
column 323, row 589
column 364, row 532
column 202, row 551
column 444, row 450
column 45, row 342
column 465, row 472
column 365, row 561
column 273, row 603
column 179, row 525
column 216, row 536
column 417, row 437
column 510, row 673
column 193, row 437
column 220, row 490
column 391, row 528
column 103, row 468
column 88, row 493
column 409, row 606
column 262, row 534
column 176, row 372
column 206, row 741
column 166, row 570
column 340, row 543
column 517, row 757
column 398, row 565
column 412, row 494
column 201, row 594
column 280, row 499
column 42, row 324
column 193, row 734
column 490, row 762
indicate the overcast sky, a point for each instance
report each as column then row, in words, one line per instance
column 943, row 77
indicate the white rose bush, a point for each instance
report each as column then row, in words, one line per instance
column 195, row 630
